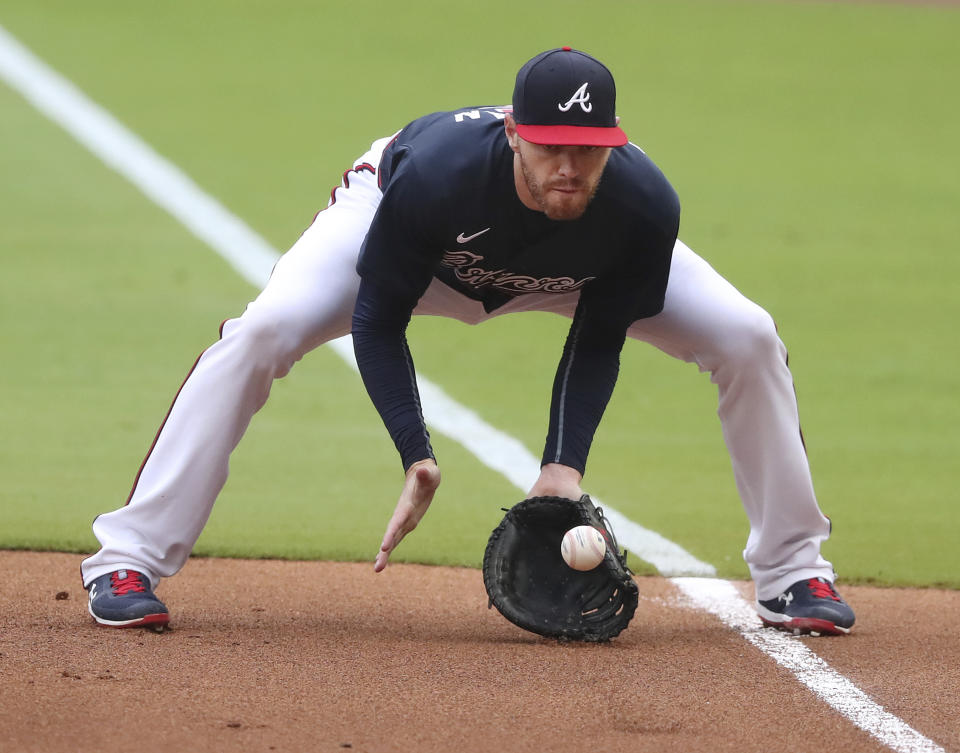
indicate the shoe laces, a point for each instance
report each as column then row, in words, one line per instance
column 821, row 589
column 131, row 583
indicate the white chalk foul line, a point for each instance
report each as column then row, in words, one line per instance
column 721, row 599
column 253, row 258
column 160, row 180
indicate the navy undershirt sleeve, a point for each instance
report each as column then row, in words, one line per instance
column 396, row 265
column 582, row 387
column 386, row 366
column 590, row 364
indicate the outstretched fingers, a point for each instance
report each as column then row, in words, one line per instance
column 421, row 483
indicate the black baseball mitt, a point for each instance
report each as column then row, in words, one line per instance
column 529, row 583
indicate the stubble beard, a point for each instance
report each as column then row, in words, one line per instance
column 554, row 205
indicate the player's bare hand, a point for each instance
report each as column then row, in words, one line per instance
column 557, row 480
column 423, row 478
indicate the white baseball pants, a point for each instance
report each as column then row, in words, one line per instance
column 309, row 300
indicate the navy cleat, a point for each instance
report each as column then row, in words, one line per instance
column 124, row 598
column 808, row 607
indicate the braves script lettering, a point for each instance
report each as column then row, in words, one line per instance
column 465, row 267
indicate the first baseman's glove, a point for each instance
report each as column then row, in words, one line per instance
column 530, row 584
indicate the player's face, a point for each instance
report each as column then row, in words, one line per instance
column 559, row 181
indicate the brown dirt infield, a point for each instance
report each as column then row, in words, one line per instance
column 320, row 656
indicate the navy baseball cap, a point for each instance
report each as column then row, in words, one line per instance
column 565, row 96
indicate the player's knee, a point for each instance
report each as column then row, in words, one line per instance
column 266, row 343
column 753, row 341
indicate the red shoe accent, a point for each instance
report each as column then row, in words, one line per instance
column 156, row 621
column 130, row 584
column 822, row 589
column 804, row 625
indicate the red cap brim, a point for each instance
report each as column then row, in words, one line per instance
column 565, row 135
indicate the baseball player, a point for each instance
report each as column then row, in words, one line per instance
column 472, row 214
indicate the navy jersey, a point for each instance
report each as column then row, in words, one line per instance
column 450, row 210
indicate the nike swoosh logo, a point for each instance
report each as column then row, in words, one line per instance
column 467, row 238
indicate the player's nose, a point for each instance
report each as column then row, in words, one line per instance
column 567, row 163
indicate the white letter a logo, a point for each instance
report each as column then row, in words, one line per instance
column 580, row 97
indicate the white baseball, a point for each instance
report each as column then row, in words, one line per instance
column 583, row 547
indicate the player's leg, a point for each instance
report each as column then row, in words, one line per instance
column 708, row 322
column 308, row 300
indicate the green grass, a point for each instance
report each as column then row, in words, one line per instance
column 813, row 146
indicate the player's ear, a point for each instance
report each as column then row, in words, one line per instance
column 510, row 128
